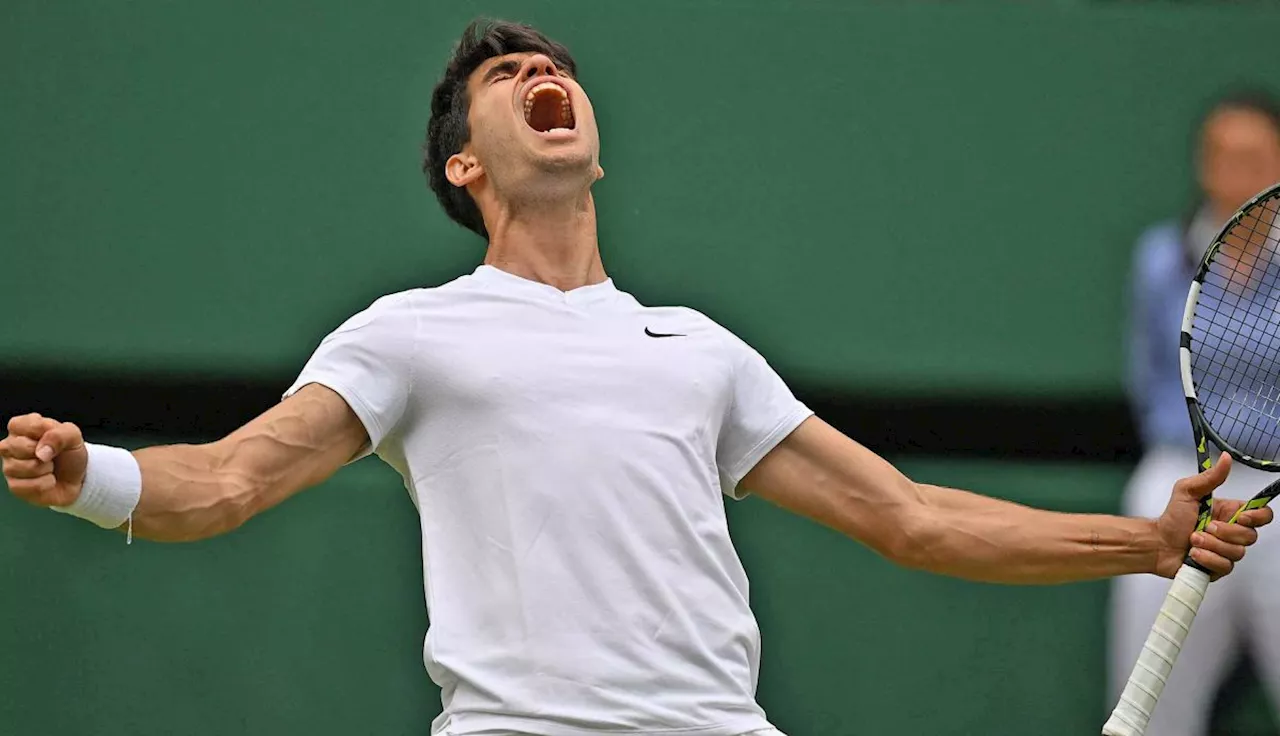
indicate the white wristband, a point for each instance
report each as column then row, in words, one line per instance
column 112, row 487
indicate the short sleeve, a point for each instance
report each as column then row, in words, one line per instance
column 762, row 412
column 367, row 361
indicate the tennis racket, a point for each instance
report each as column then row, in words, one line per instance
column 1230, row 359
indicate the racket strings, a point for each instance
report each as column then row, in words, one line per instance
column 1236, row 334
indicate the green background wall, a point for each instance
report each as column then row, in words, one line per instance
column 927, row 195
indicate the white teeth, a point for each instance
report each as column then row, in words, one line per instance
column 544, row 86
column 566, row 108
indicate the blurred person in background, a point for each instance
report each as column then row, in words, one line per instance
column 1237, row 156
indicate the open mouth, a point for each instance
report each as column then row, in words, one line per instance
column 547, row 108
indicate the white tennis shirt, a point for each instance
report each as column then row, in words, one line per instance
column 567, row 452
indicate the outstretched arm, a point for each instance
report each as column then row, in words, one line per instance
column 192, row 492
column 819, row 473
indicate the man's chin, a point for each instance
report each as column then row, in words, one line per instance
column 567, row 159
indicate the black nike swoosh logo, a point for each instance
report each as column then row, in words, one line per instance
column 651, row 333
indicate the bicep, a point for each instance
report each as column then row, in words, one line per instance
column 819, row 473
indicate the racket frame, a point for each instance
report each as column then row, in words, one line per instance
column 1202, row 431
column 1146, row 682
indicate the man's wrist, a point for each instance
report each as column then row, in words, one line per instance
column 1147, row 540
column 111, row 489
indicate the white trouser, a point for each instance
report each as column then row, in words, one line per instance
column 1234, row 613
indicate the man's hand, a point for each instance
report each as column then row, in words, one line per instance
column 1221, row 545
column 44, row 460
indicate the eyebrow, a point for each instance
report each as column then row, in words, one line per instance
column 502, row 67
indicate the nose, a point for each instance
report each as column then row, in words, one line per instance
column 538, row 65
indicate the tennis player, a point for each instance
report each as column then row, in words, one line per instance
column 567, row 448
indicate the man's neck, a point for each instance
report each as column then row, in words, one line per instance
column 1221, row 212
column 551, row 245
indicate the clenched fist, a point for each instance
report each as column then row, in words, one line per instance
column 44, row 460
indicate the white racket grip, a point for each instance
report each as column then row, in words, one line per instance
column 1151, row 672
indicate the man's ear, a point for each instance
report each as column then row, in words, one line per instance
column 462, row 168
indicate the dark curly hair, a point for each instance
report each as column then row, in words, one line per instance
column 448, row 130
column 1248, row 99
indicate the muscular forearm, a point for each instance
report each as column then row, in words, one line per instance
column 184, row 492
column 188, row 493
column 196, row 491
column 977, row 537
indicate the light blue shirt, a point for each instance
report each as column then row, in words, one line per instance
column 1235, row 363
column 1161, row 272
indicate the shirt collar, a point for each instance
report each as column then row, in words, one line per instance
column 504, row 281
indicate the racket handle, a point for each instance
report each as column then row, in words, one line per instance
column 1151, row 672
